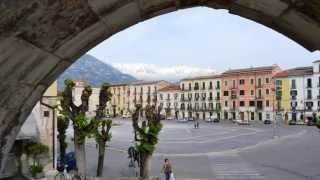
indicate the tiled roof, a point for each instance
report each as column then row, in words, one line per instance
column 172, row 87
column 213, row 76
column 250, row 70
column 299, row 71
column 142, row 82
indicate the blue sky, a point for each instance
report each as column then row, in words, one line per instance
column 203, row 37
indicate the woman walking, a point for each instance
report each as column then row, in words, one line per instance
column 167, row 169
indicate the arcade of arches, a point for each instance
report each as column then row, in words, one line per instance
column 40, row 39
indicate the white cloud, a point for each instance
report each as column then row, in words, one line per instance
column 155, row 72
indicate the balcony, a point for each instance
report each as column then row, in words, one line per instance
column 309, row 97
column 233, row 96
column 218, row 98
column 293, row 97
column 259, row 97
column 217, row 87
column 203, row 98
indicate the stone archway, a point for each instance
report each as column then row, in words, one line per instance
column 40, row 39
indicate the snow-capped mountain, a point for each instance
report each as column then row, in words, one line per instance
column 155, row 72
column 94, row 71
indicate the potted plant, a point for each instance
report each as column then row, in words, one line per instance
column 318, row 122
column 35, row 150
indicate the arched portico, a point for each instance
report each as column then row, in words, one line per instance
column 40, row 39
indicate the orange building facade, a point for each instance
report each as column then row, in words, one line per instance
column 248, row 94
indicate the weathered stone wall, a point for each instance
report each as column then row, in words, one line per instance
column 39, row 39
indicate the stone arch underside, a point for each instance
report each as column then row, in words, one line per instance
column 40, row 39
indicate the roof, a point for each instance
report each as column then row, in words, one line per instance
column 213, row 76
column 299, row 71
column 171, row 87
column 119, row 84
column 251, row 69
column 142, row 82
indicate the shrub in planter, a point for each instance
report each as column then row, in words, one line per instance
column 36, row 170
column 318, row 123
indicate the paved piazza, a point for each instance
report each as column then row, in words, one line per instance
column 220, row 151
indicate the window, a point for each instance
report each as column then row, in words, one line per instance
column 226, row 103
column 241, row 92
column 210, row 85
column 251, row 81
column 182, row 88
column 225, row 93
column 252, row 116
column 233, row 104
column 225, row 83
column 252, row 92
column 267, row 103
column 182, row 97
column 46, row 113
column 309, row 83
column 267, row 116
column 259, row 93
column 242, row 103
column 241, row 82
column 196, row 86
column 309, row 94
column 278, row 83
column 233, row 83
column 175, row 96
column 161, row 96
column 189, row 86
column 267, row 80
column 267, row 91
column 251, row 103
column 203, row 85
column 259, row 82
column 293, row 84
column 218, row 84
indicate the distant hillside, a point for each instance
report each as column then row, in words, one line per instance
column 94, row 71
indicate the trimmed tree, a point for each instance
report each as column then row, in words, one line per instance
column 147, row 136
column 81, row 124
column 102, row 125
column 63, row 124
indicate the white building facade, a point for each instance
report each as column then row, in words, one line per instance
column 200, row 97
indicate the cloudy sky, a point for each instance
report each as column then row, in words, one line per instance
column 202, row 38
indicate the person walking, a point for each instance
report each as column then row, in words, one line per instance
column 167, row 169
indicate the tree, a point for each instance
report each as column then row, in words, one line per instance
column 36, row 149
column 81, row 124
column 102, row 125
column 63, row 124
column 147, row 136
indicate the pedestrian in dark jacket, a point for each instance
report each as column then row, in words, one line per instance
column 167, row 169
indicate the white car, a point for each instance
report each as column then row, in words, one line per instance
column 126, row 116
column 169, row 118
column 242, row 122
column 183, row 120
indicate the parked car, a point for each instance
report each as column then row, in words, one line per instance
column 69, row 162
column 292, row 122
column 309, row 121
column 170, row 118
column 216, row 120
column 243, row 122
column 300, row 123
column 108, row 116
column 162, row 117
column 126, row 116
column 267, row 121
column 190, row 118
column 209, row 120
column 184, row 120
